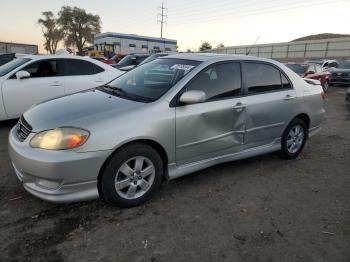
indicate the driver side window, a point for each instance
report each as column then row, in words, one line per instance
column 220, row 81
column 43, row 68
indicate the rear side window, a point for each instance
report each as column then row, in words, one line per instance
column 219, row 81
column 45, row 68
column 285, row 82
column 263, row 78
column 77, row 67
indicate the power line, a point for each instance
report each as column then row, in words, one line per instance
column 237, row 13
column 162, row 16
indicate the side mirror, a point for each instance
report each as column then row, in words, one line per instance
column 193, row 97
column 22, row 75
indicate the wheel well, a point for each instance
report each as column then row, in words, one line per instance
column 161, row 151
column 306, row 119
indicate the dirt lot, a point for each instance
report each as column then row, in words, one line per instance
column 259, row 209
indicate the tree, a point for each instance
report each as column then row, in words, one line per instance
column 189, row 50
column 79, row 27
column 221, row 45
column 51, row 32
column 205, row 46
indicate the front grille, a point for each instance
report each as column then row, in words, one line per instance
column 23, row 129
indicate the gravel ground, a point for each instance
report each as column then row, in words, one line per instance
column 259, row 209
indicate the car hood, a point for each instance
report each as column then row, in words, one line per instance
column 77, row 110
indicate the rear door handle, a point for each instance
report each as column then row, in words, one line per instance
column 288, row 97
column 239, row 106
column 100, row 80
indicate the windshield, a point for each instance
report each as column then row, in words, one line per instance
column 151, row 58
column 298, row 68
column 150, row 81
column 8, row 67
column 345, row 65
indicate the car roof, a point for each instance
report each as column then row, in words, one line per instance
column 36, row 57
column 202, row 57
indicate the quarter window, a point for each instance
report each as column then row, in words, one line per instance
column 285, row 82
column 77, row 67
column 219, row 81
column 263, row 78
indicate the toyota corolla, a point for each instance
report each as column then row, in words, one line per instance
column 162, row 120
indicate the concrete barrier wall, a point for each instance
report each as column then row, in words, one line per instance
column 337, row 48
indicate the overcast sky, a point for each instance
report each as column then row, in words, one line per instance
column 191, row 22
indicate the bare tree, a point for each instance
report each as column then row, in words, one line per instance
column 51, row 32
column 79, row 27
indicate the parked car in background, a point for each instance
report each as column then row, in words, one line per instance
column 5, row 58
column 148, row 59
column 164, row 119
column 32, row 79
column 312, row 71
column 130, row 61
column 347, row 97
column 153, row 57
column 115, row 59
column 341, row 75
column 99, row 58
column 324, row 63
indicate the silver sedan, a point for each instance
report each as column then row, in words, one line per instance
column 164, row 119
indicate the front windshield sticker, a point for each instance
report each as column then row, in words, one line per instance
column 182, row 67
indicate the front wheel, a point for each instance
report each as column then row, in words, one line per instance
column 325, row 86
column 293, row 139
column 131, row 176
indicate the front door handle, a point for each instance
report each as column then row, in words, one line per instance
column 288, row 97
column 56, row 83
column 239, row 106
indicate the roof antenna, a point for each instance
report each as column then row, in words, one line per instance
column 252, row 45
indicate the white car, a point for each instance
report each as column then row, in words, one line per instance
column 35, row 78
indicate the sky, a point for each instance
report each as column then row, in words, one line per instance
column 190, row 22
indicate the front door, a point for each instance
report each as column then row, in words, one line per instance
column 45, row 82
column 208, row 129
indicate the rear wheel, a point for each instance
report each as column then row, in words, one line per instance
column 131, row 176
column 293, row 139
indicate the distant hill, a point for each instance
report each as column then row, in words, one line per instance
column 319, row 36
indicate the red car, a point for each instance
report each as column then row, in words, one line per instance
column 115, row 59
column 313, row 71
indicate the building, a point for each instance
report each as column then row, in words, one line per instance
column 331, row 48
column 129, row 43
column 6, row 47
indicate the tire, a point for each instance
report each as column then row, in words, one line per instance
column 291, row 146
column 131, row 176
column 325, row 86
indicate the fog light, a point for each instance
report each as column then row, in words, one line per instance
column 48, row 184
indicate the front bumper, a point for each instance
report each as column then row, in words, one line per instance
column 56, row 176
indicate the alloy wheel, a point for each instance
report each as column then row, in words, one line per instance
column 295, row 139
column 134, row 177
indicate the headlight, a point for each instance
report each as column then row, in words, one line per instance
column 60, row 138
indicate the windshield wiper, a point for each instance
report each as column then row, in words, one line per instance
column 117, row 91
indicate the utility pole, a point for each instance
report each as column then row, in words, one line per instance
column 161, row 15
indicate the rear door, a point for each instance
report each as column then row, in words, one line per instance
column 81, row 75
column 46, row 81
column 271, row 102
column 216, row 126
